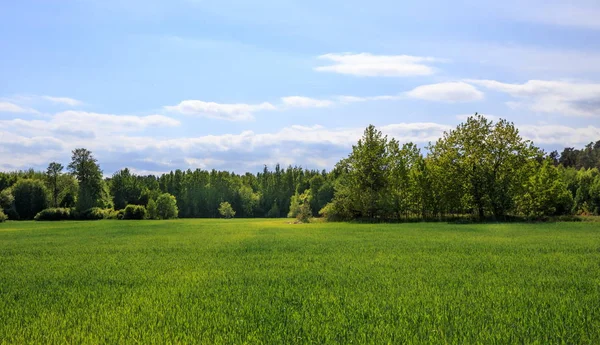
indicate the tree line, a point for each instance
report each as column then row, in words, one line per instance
column 480, row 169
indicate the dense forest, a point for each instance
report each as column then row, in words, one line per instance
column 481, row 169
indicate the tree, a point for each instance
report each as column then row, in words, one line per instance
column 363, row 181
column 125, row 189
column 30, row 197
column 152, row 209
column 53, row 172
column 85, row 168
column 166, row 206
column 226, row 210
column 487, row 160
column 545, row 193
column 249, row 200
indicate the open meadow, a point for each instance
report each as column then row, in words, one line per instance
column 270, row 282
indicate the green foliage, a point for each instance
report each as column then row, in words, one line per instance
column 94, row 213
column 30, row 197
column 53, row 172
column 166, row 206
column 545, row 194
column 300, row 207
column 263, row 282
column 274, row 211
column 125, row 189
column 54, row 214
column 3, row 217
column 85, row 168
column 152, row 209
column 334, row 211
column 134, row 212
column 249, row 200
column 225, row 210
column 484, row 164
column 6, row 199
column 68, row 201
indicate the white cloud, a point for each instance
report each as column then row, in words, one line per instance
column 63, row 100
column 547, row 96
column 446, row 92
column 220, row 111
column 560, row 134
column 305, row 102
column 356, row 99
column 368, row 65
column 73, row 125
column 26, row 143
column 7, row 107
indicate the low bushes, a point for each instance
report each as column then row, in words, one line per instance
column 3, row 217
column 134, row 212
column 94, row 213
column 54, row 214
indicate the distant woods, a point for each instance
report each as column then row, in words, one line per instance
column 481, row 169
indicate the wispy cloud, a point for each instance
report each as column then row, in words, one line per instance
column 446, row 92
column 63, row 100
column 305, row 102
column 220, row 111
column 368, row 65
column 8, row 107
column 550, row 96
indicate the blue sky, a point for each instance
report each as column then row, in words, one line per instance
column 160, row 85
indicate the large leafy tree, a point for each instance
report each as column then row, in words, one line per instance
column 87, row 171
column 488, row 161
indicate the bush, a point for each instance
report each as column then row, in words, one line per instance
column 166, row 206
column 94, row 213
column 111, row 214
column 30, row 197
column 226, row 210
column 3, row 217
column 134, row 212
column 334, row 211
column 50, row 214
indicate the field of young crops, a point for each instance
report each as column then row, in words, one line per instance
column 270, row 282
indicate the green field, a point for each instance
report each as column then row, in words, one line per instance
column 270, row 282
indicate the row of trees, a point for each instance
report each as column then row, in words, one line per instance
column 480, row 169
column 197, row 193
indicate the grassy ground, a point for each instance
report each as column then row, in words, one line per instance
column 266, row 281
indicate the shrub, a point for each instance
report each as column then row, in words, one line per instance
column 111, row 214
column 94, row 213
column 30, row 197
column 300, row 207
column 166, row 206
column 333, row 211
column 226, row 210
column 3, row 217
column 134, row 212
column 54, row 214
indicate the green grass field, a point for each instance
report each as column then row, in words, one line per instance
column 270, row 282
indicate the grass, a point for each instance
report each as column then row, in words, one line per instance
column 269, row 282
